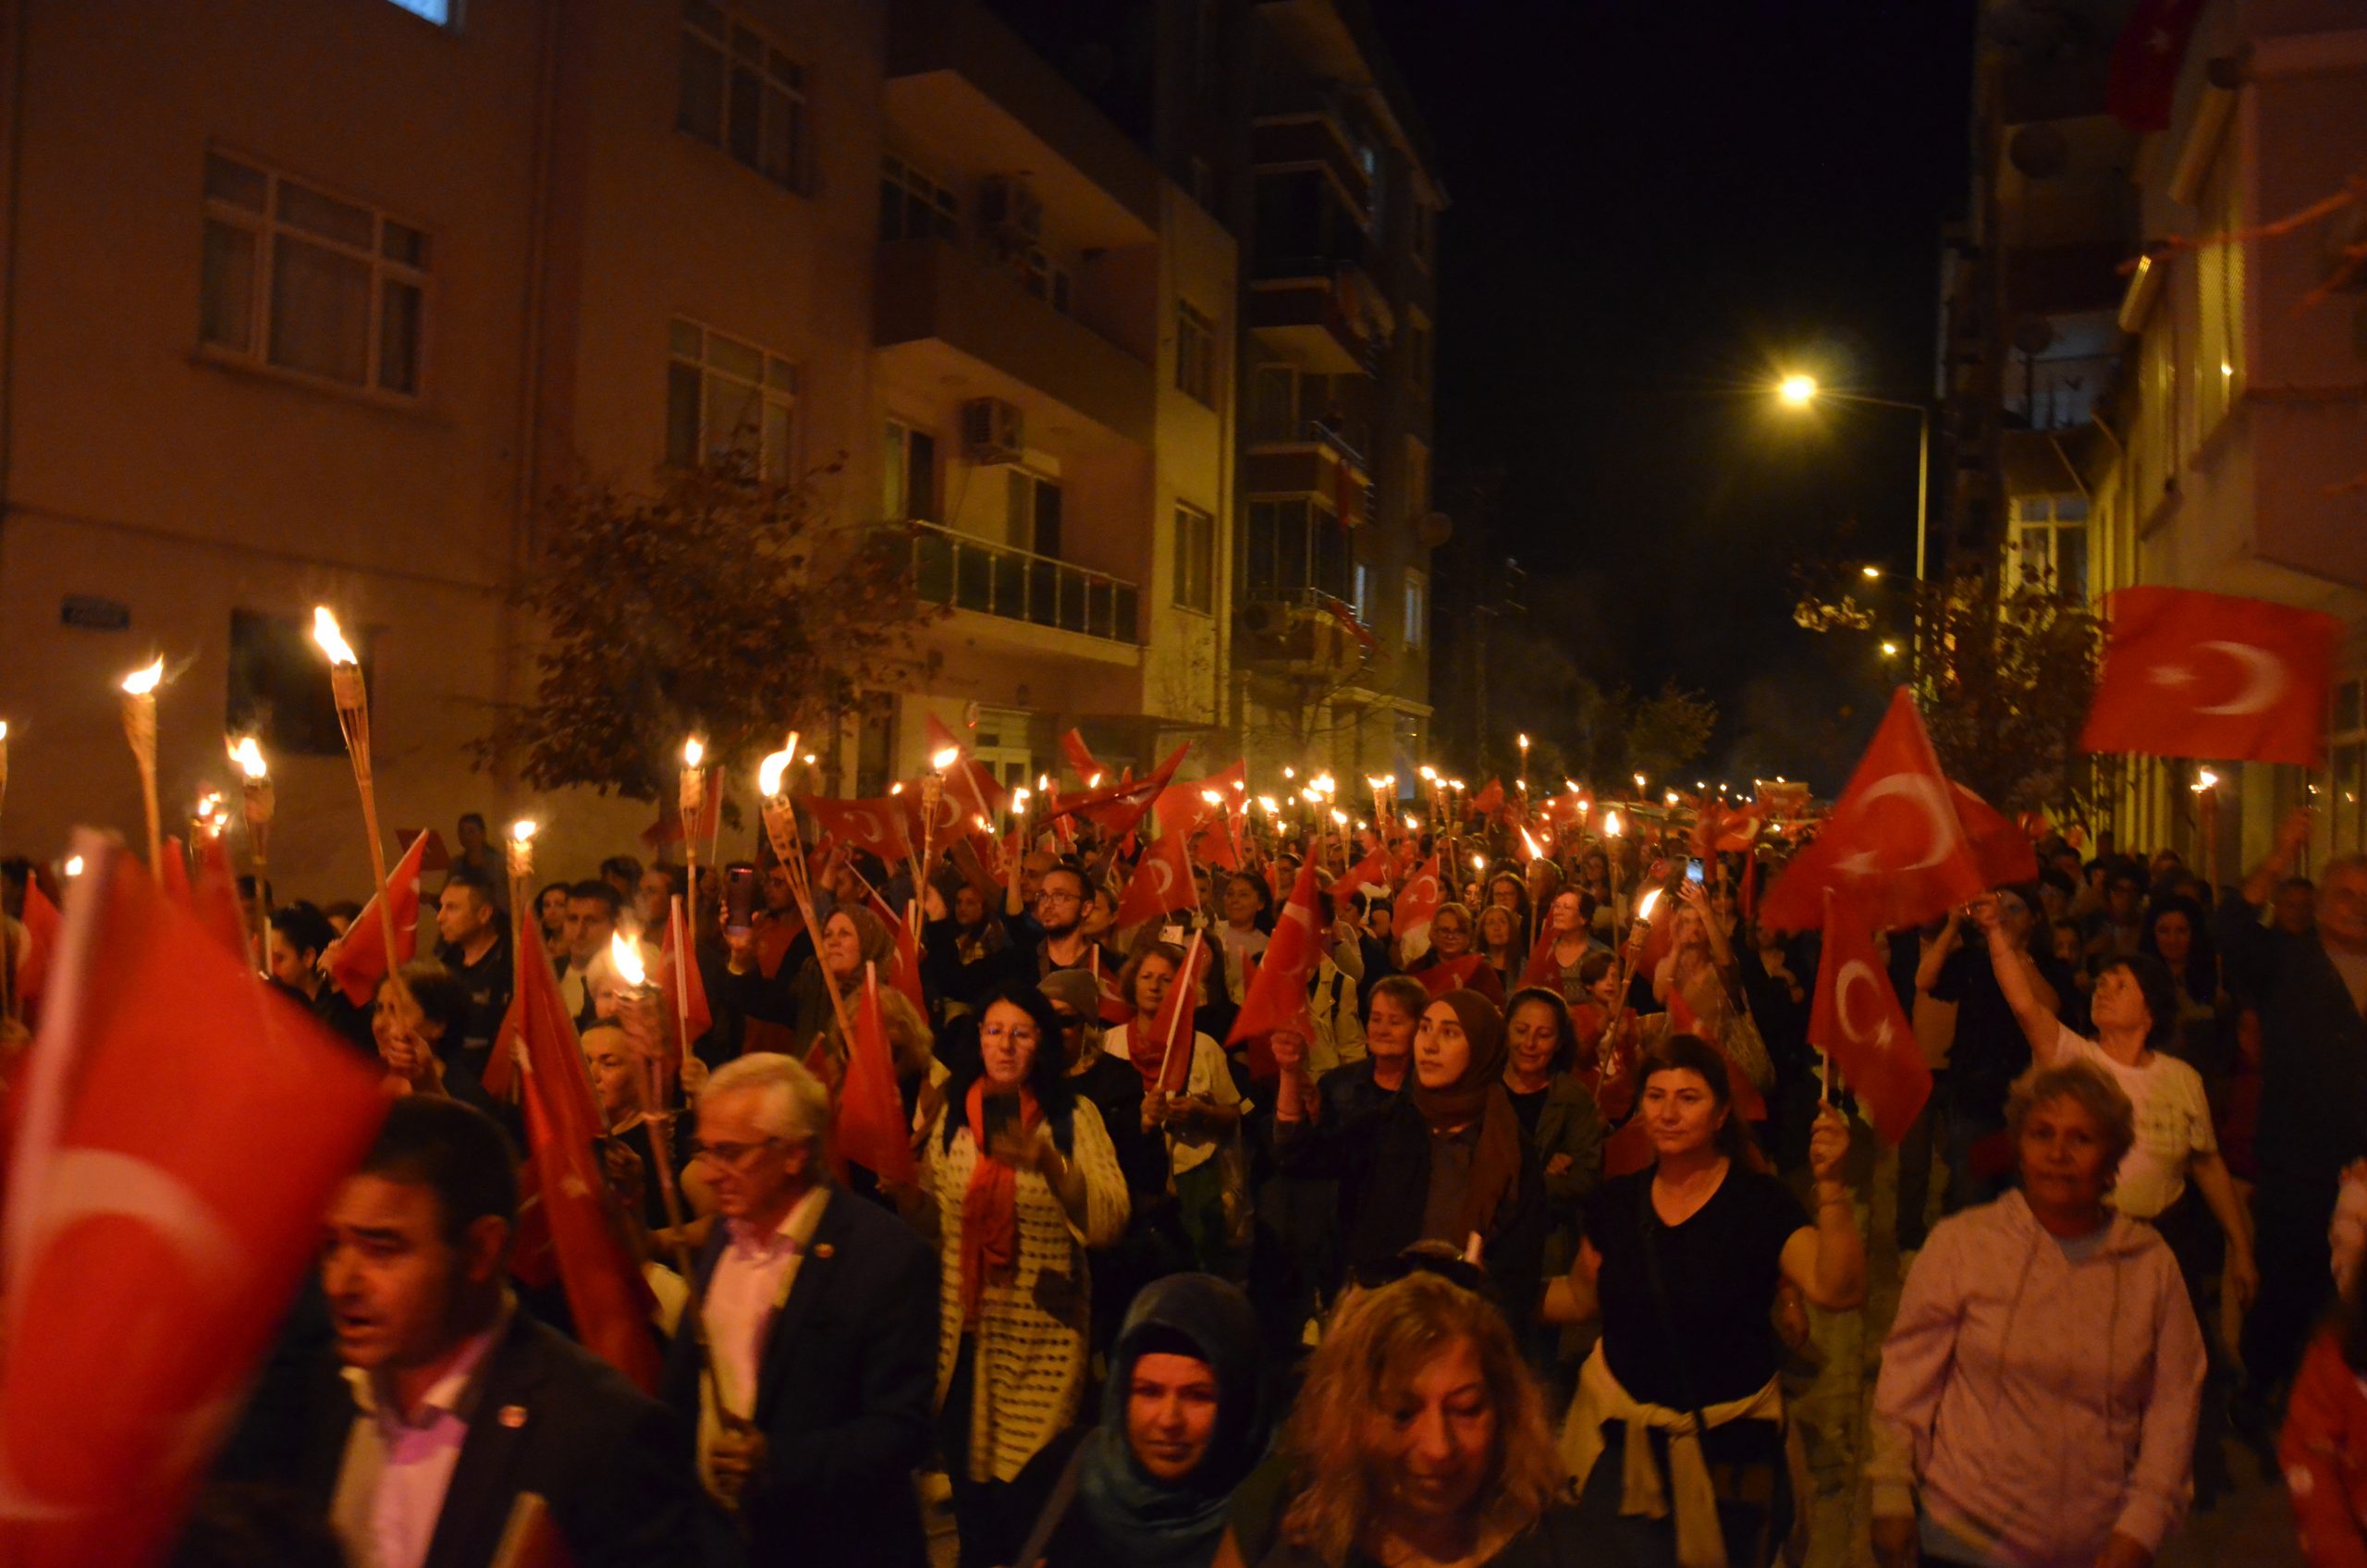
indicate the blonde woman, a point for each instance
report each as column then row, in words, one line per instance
column 1418, row 1440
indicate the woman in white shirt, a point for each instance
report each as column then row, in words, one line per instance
column 1189, row 1093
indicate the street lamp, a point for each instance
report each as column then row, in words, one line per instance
column 1799, row 391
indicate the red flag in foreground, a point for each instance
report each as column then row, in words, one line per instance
column 2187, row 674
column 1162, row 1051
column 41, row 925
column 1894, row 840
column 360, row 960
column 1449, row 975
column 1277, row 995
column 873, row 1130
column 182, row 1128
column 604, row 1290
column 214, row 897
column 1162, row 883
column 2002, row 851
column 1418, row 904
column 1857, row 1020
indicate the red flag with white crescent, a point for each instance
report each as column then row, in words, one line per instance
column 1162, row 883
column 2189, row 674
column 872, row 1129
column 1417, row 903
column 1277, row 995
column 181, row 1129
column 1856, row 1019
column 1449, row 975
column 877, row 827
column 1895, row 840
column 360, row 961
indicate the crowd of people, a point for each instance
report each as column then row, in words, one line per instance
column 1509, row 1261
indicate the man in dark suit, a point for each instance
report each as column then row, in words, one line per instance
column 808, row 1358
column 455, row 1410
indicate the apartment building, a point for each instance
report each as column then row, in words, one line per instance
column 2121, row 409
column 364, row 277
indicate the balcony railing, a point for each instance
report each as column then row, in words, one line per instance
column 968, row 573
column 1314, row 432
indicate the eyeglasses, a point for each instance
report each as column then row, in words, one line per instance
column 1047, row 896
column 726, row 1154
column 1018, row 1034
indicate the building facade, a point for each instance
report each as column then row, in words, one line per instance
column 2143, row 385
column 364, row 278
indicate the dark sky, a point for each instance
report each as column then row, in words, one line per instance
column 1654, row 205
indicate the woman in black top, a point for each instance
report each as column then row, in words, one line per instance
column 1682, row 1262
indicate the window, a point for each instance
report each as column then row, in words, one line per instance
column 1417, row 608
column 2219, row 299
column 279, row 691
column 302, row 280
column 910, row 475
column 2047, row 544
column 1418, row 478
column 1195, row 560
column 741, row 94
column 1294, row 546
column 437, row 11
column 1034, row 513
column 1196, row 355
column 1042, row 276
column 912, row 206
column 723, row 396
column 1360, row 597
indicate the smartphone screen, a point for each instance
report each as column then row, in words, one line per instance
column 1693, row 869
column 740, row 901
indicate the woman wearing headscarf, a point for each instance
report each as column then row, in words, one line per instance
column 1445, row 1161
column 1183, row 1418
column 852, row 937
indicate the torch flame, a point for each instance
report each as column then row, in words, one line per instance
column 1212, row 797
column 1019, row 799
column 2205, row 780
column 1644, row 905
column 332, row 640
column 4, row 729
column 1413, row 823
column 140, row 682
column 1340, row 818
column 938, row 762
column 1523, row 742
column 1429, row 773
column 768, row 772
column 1610, row 825
column 897, row 788
column 523, row 830
column 625, row 953
column 693, row 751
column 73, row 866
column 248, row 755
column 1478, row 862
column 1534, row 852
column 1094, row 782
column 1274, row 808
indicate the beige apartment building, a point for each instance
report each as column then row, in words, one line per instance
column 304, row 303
column 2187, row 422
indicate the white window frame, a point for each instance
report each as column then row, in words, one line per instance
column 2340, row 793
column 1194, row 587
column 2039, row 519
column 779, row 80
column 1195, row 354
column 944, row 208
column 1045, row 277
column 1417, row 608
column 266, row 227
column 896, row 489
column 775, row 385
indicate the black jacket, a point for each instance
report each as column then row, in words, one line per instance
column 552, row 1419
column 843, row 1394
column 2314, row 1051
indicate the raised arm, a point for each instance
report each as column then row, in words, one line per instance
column 1935, row 957
column 2040, row 1026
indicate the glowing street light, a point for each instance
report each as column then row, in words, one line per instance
column 1870, row 571
column 1798, row 390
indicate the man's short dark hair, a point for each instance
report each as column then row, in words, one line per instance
column 340, row 909
column 595, row 889
column 442, row 999
column 306, row 928
column 452, row 1148
column 469, row 817
column 621, row 865
column 475, row 881
column 1084, row 885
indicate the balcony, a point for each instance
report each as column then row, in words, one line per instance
column 1309, row 124
column 966, row 573
column 1315, row 459
column 1301, row 631
column 934, row 303
column 1319, row 312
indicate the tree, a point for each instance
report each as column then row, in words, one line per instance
column 722, row 604
column 1664, row 732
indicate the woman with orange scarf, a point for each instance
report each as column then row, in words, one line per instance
column 1446, row 1161
column 1025, row 1178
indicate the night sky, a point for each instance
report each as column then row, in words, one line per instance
column 1654, row 205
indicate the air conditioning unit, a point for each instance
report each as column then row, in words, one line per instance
column 1264, row 618
column 1013, row 215
column 992, row 431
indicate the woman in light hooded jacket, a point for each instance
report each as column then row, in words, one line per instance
column 2039, row 1389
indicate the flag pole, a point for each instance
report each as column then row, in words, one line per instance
column 1189, row 975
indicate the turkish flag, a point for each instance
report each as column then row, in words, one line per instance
column 1214, row 845
column 872, row 1129
column 2142, row 78
column 1856, row 1019
column 1120, row 808
column 1449, row 975
column 606, row 1293
column 968, row 782
column 1490, row 797
column 1373, row 871
column 361, row 955
column 906, row 976
column 877, row 828
column 41, row 925
column 1893, row 836
column 181, row 1129
column 214, row 897
column 1277, row 995
column 1417, row 903
column 172, row 873
column 1542, row 968
column 1114, row 1008
column 911, row 801
column 1080, row 757
column 1167, row 1039
column 685, row 987
column 1162, row 883
column 2189, row 674
column 2002, row 850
